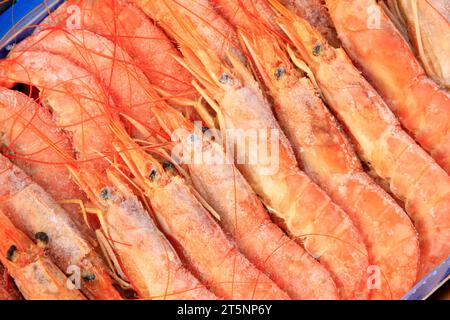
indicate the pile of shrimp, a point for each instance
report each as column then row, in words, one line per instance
column 126, row 171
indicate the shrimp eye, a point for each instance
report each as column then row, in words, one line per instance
column 42, row 239
column 192, row 138
column 89, row 277
column 224, row 78
column 153, row 174
column 10, row 253
column 167, row 165
column 317, row 50
column 105, row 194
column 281, row 71
column 205, row 129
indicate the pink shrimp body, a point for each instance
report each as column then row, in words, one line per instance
column 328, row 158
column 412, row 174
column 27, row 137
column 33, row 272
column 243, row 216
column 204, row 245
column 32, row 210
column 79, row 104
column 307, row 213
column 131, row 29
column 372, row 40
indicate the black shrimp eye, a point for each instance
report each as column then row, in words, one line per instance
column 317, row 50
column 224, row 78
column 10, row 253
column 42, row 239
column 153, row 174
column 281, row 71
column 105, row 194
column 167, row 165
column 205, row 129
column 89, row 277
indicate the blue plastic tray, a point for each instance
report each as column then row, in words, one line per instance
column 18, row 22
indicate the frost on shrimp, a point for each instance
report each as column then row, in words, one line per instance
column 328, row 158
column 235, row 95
column 420, row 104
column 32, row 210
column 66, row 86
column 412, row 175
column 130, row 29
column 34, row 273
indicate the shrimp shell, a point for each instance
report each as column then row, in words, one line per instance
column 32, row 210
column 126, row 25
column 413, row 176
column 243, row 216
column 30, row 140
column 386, row 59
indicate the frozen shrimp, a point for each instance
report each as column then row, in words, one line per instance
column 205, row 246
column 132, row 30
column 128, row 85
column 8, row 290
column 327, row 156
column 33, row 211
column 33, row 272
column 412, row 175
column 147, row 260
column 305, row 210
column 245, row 272
column 243, row 216
column 27, row 136
column 373, row 41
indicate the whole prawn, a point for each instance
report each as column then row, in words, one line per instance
column 33, row 272
column 307, row 213
column 242, row 214
column 79, row 104
column 412, row 175
column 33, row 211
column 329, row 159
column 165, row 189
column 420, row 104
column 218, row 33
